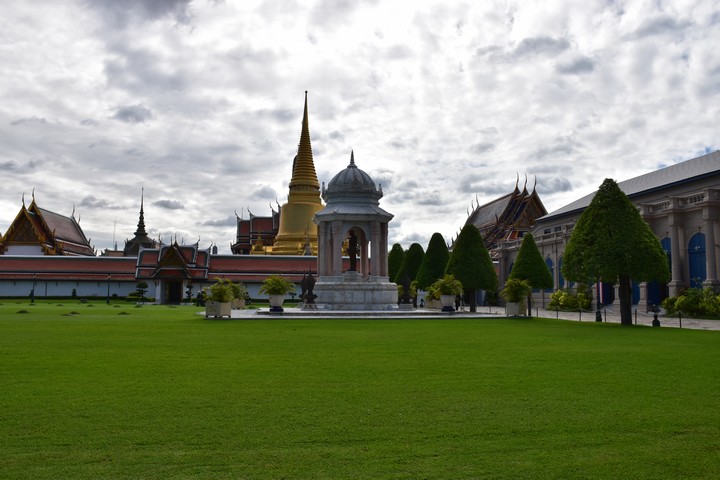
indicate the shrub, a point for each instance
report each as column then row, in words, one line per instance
column 515, row 290
column 276, row 285
column 567, row 300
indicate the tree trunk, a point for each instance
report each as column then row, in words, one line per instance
column 470, row 295
column 625, row 293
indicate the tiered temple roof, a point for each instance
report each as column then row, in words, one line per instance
column 508, row 217
column 42, row 232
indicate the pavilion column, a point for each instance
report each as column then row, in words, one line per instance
column 322, row 240
column 375, row 236
column 383, row 256
column 675, row 258
column 364, row 259
column 710, row 260
column 337, row 241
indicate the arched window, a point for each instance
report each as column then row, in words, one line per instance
column 549, row 263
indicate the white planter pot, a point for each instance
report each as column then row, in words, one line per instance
column 276, row 302
column 514, row 309
column 218, row 309
column 447, row 302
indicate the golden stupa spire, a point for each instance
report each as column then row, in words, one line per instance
column 303, row 200
column 303, row 174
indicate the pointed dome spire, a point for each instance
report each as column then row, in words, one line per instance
column 304, row 174
column 141, row 223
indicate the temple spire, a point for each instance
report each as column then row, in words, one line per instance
column 141, row 223
column 304, row 174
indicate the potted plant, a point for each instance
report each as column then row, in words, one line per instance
column 276, row 287
column 219, row 299
column 514, row 293
column 447, row 288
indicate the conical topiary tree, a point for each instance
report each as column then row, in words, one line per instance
column 470, row 262
column 434, row 262
column 611, row 242
column 411, row 263
column 530, row 266
column 395, row 260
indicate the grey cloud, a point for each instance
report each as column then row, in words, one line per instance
column 473, row 184
column 336, row 135
column 528, row 47
column 139, row 70
column 482, row 147
column 169, row 204
column 399, row 52
column 8, row 166
column 120, row 14
column 132, row 114
column 229, row 221
column 563, row 146
column 554, row 185
column 548, row 46
column 91, row 201
column 28, row 120
column 578, row 65
column 332, row 13
column 401, row 143
column 264, row 191
column 662, row 25
column 89, row 123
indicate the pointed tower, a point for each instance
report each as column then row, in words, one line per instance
column 141, row 239
column 296, row 216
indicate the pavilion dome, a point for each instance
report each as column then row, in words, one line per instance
column 352, row 183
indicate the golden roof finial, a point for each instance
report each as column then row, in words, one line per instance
column 304, row 174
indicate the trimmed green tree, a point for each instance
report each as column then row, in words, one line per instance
column 434, row 262
column 395, row 260
column 411, row 262
column 410, row 266
column 612, row 243
column 470, row 262
column 530, row 266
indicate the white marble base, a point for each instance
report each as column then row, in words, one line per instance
column 351, row 291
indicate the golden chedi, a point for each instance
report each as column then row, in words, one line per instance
column 297, row 234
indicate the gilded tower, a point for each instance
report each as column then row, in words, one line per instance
column 297, row 234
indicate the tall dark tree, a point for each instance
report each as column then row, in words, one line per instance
column 395, row 260
column 411, row 263
column 470, row 262
column 434, row 262
column 530, row 266
column 612, row 243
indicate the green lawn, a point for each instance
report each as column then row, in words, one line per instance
column 159, row 392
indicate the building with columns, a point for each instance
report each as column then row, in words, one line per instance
column 681, row 203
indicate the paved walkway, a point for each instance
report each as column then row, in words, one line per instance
column 609, row 315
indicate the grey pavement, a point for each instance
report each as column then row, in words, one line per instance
column 609, row 315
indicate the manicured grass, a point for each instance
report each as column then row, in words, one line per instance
column 163, row 393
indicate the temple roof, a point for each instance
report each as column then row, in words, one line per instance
column 56, row 234
column 679, row 173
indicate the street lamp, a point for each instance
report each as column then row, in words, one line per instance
column 108, row 290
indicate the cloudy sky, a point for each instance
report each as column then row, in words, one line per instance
column 443, row 102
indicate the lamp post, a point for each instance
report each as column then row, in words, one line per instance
column 107, row 299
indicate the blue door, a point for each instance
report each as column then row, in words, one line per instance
column 656, row 292
column 696, row 259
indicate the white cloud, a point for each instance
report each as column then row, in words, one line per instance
column 200, row 102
